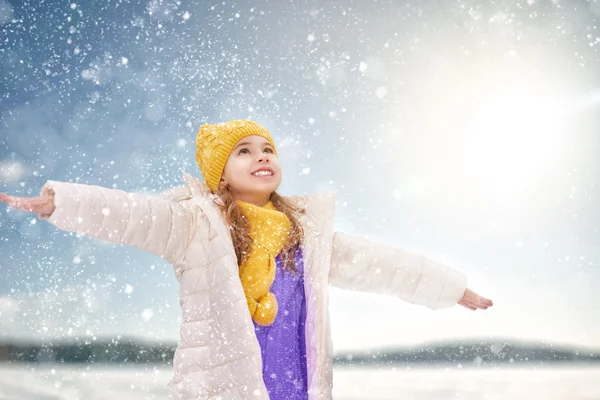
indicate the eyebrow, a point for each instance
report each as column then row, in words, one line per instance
column 247, row 143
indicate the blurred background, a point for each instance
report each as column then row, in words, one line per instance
column 464, row 131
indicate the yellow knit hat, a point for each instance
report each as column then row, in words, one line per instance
column 214, row 142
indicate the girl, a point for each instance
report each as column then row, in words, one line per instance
column 253, row 266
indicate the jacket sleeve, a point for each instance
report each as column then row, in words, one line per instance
column 358, row 264
column 157, row 225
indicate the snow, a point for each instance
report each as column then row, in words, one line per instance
column 12, row 171
column 147, row 314
column 369, row 99
column 128, row 289
column 130, row 382
column 6, row 12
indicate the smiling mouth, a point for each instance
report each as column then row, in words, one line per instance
column 263, row 174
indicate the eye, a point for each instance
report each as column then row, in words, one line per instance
column 270, row 149
column 243, row 150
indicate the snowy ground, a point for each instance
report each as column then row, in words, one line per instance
column 60, row 382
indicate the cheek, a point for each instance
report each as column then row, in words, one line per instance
column 240, row 169
column 274, row 161
column 231, row 170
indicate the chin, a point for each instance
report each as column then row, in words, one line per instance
column 262, row 189
column 272, row 188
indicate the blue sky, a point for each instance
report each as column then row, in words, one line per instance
column 465, row 132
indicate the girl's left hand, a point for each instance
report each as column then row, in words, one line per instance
column 473, row 301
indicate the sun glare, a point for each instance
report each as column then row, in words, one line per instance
column 510, row 138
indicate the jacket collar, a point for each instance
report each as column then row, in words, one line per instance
column 195, row 185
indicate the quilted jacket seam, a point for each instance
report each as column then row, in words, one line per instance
column 103, row 215
column 191, row 347
column 191, row 236
column 204, row 290
column 78, row 207
column 128, row 225
column 420, row 278
column 151, row 223
column 164, row 252
column 230, row 361
column 443, row 288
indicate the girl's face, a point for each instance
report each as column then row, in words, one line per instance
column 249, row 155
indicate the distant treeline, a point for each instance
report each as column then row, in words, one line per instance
column 465, row 353
column 471, row 353
column 114, row 351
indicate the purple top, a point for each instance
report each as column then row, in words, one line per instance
column 282, row 343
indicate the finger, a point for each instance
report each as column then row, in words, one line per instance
column 484, row 306
column 485, row 299
column 37, row 201
column 485, row 302
column 467, row 304
column 476, row 299
column 477, row 305
column 10, row 200
column 21, row 203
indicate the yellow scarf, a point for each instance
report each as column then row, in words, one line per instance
column 269, row 230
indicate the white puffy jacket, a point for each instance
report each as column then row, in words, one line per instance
column 218, row 356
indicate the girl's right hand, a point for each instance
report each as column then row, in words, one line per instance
column 43, row 205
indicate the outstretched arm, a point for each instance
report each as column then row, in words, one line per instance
column 359, row 264
column 157, row 225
